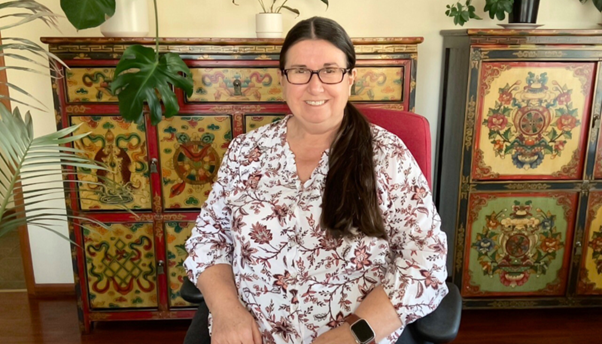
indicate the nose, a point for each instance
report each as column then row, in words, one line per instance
column 315, row 86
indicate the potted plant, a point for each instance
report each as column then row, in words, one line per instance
column 523, row 12
column 268, row 23
column 143, row 76
column 27, row 161
column 597, row 3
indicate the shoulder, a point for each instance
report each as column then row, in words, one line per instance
column 262, row 138
column 387, row 145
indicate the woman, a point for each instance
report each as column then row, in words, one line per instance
column 320, row 228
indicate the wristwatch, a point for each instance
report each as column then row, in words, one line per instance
column 363, row 333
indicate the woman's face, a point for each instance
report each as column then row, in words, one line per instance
column 316, row 104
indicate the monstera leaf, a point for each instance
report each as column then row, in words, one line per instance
column 597, row 3
column 85, row 14
column 141, row 75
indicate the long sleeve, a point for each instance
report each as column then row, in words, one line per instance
column 211, row 241
column 415, row 278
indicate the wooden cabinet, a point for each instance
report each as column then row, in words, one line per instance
column 518, row 179
column 164, row 172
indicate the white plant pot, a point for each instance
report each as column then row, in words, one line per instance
column 130, row 19
column 268, row 25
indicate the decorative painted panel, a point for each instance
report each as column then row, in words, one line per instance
column 518, row 244
column 236, row 85
column 90, row 85
column 532, row 120
column 122, row 147
column 190, row 150
column 176, row 235
column 590, row 275
column 378, row 84
column 120, row 266
column 253, row 122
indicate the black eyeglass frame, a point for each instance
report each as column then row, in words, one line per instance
column 316, row 72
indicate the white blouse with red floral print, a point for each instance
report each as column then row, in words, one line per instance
column 294, row 279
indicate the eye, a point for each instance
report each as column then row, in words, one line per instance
column 330, row 70
column 298, row 71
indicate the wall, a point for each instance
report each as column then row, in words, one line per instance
column 220, row 18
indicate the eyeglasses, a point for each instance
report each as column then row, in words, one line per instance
column 302, row 76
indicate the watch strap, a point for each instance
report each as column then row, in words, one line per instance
column 352, row 319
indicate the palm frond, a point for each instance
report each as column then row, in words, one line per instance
column 22, row 159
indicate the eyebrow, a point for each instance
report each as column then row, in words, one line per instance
column 304, row 66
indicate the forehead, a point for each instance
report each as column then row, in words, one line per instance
column 315, row 53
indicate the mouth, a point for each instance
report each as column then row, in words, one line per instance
column 316, row 102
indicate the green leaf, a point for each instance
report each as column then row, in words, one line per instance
column 326, row 2
column 294, row 10
column 85, row 14
column 140, row 76
column 598, row 4
column 568, row 134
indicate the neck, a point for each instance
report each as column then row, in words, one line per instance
column 311, row 135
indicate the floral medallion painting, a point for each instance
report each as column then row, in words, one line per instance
column 121, row 146
column 120, row 266
column 191, row 149
column 590, row 276
column 517, row 244
column 532, row 120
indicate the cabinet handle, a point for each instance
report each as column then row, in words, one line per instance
column 578, row 248
column 153, row 165
column 160, row 267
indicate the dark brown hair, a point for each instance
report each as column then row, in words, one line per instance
column 350, row 198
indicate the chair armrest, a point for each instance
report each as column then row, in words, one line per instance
column 441, row 326
column 190, row 292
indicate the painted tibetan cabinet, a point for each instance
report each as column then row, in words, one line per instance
column 134, row 271
column 519, row 166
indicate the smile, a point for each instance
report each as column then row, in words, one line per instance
column 315, row 102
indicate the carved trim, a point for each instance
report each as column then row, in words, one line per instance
column 482, row 170
column 76, row 109
column 513, row 304
column 527, row 186
column 231, row 109
column 470, row 122
column 570, row 169
column 539, row 54
column 460, row 247
column 466, row 187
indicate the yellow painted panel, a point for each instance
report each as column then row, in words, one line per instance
column 378, row 84
column 236, row 85
column 176, row 235
column 531, row 119
column 120, row 266
column 191, row 149
column 121, row 146
column 90, row 85
column 254, row 122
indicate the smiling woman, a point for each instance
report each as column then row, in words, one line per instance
column 304, row 234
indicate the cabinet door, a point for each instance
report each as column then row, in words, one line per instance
column 532, row 120
column 120, row 266
column 590, row 274
column 518, row 244
column 122, row 147
column 89, row 85
column 255, row 121
column 191, row 149
column 377, row 84
column 176, row 235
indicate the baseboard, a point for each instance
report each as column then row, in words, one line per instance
column 49, row 290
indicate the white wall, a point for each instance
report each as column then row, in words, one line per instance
column 220, row 18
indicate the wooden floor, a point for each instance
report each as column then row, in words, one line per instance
column 54, row 321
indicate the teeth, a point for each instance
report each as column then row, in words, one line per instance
column 315, row 103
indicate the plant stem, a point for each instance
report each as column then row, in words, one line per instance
column 156, row 32
column 262, row 6
column 280, row 8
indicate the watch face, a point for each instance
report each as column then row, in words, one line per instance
column 363, row 331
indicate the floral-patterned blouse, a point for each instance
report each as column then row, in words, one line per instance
column 295, row 280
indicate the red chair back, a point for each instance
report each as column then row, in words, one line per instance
column 411, row 128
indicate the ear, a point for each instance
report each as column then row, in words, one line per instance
column 282, row 83
column 352, row 76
